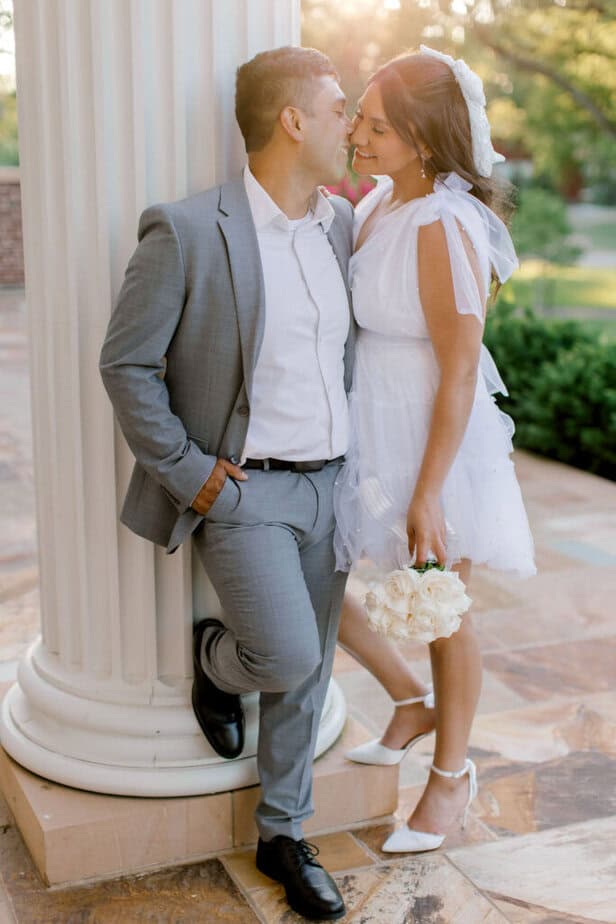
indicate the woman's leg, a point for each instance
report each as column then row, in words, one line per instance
column 384, row 661
column 456, row 670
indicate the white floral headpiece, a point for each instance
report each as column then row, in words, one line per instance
column 470, row 83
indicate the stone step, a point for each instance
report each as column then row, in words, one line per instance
column 75, row 836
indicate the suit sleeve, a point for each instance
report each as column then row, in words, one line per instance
column 132, row 363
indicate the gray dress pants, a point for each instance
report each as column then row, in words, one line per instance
column 267, row 547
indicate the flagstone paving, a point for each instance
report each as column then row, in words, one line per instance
column 540, row 847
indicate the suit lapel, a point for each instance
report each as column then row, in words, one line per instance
column 338, row 239
column 335, row 236
column 238, row 230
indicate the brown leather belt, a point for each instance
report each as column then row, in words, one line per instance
column 267, row 465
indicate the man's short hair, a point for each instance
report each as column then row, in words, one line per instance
column 271, row 81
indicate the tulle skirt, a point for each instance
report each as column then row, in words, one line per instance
column 394, row 387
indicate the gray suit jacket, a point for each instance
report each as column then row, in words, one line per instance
column 181, row 348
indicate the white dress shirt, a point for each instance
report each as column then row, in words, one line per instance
column 298, row 405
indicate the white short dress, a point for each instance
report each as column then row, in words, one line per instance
column 395, row 381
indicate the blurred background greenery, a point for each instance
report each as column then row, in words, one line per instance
column 9, row 149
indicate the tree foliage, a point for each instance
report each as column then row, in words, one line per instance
column 562, row 60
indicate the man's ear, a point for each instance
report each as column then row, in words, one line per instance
column 292, row 121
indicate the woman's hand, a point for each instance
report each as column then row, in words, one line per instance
column 426, row 530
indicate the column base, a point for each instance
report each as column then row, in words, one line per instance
column 151, row 746
column 75, row 836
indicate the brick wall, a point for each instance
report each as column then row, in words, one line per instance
column 11, row 246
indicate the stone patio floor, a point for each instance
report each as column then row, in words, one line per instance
column 541, row 845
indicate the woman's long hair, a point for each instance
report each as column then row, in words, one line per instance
column 425, row 106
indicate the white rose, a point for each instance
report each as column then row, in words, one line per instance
column 401, row 628
column 446, row 624
column 443, row 590
column 374, row 607
column 422, row 607
column 421, row 627
column 380, row 616
column 399, row 588
column 441, row 597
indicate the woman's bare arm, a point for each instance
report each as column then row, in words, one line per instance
column 456, row 339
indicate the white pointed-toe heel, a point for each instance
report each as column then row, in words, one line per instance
column 407, row 840
column 373, row 752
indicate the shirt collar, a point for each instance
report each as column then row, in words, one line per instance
column 266, row 213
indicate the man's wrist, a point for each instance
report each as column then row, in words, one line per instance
column 204, row 500
column 195, row 501
column 209, row 491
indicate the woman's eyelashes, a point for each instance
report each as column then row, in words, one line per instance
column 358, row 117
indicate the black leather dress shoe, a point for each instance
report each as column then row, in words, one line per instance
column 310, row 889
column 219, row 714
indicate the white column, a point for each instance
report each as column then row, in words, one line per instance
column 122, row 103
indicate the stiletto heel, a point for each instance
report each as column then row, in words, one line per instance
column 407, row 840
column 373, row 752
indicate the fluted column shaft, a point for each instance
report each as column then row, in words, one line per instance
column 122, row 103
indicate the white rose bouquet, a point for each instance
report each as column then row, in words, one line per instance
column 421, row 604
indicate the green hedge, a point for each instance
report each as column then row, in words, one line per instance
column 562, row 384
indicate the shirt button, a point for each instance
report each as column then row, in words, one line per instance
column 243, row 410
column 234, row 460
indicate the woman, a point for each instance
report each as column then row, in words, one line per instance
column 428, row 471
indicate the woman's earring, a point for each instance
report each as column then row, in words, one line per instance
column 423, row 170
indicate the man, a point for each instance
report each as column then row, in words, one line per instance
column 227, row 360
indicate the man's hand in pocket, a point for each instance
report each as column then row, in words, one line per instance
column 215, row 483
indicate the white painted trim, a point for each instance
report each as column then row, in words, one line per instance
column 132, row 765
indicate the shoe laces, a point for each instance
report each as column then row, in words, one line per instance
column 304, row 852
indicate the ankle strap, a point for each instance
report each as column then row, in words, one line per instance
column 455, row 774
column 426, row 699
